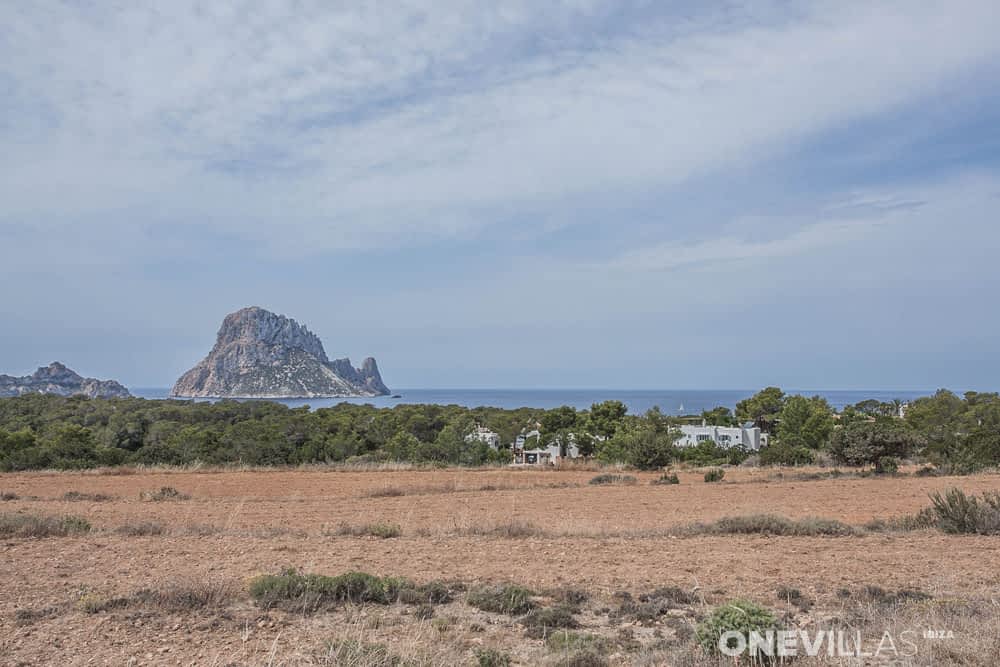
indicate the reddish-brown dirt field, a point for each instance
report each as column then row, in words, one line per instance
column 601, row 538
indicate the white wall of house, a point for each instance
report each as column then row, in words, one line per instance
column 747, row 436
column 484, row 435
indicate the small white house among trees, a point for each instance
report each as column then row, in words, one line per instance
column 747, row 436
column 485, row 436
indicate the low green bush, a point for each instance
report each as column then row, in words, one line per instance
column 382, row 530
column 509, row 599
column 310, row 592
column 737, row 616
column 715, row 475
column 295, row 591
column 490, row 657
column 434, row 592
column 608, row 478
column 668, row 478
column 887, row 465
column 540, row 622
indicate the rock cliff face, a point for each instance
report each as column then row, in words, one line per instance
column 258, row 354
column 57, row 379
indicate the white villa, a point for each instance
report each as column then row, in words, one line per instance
column 747, row 435
column 485, row 436
column 541, row 455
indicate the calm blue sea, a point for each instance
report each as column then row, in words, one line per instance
column 670, row 401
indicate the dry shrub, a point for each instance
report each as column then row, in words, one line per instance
column 958, row 513
column 24, row 617
column 509, row 599
column 33, row 525
column 162, row 494
column 585, row 658
column 381, row 530
column 513, row 529
column 793, row 596
column 610, row 479
column 567, row 642
column 201, row 529
column 666, row 479
column 184, row 596
column 141, row 529
column 539, row 623
column 79, row 496
column 306, row 593
column 651, row 606
column 386, row 492
column 491, row 657
column 772, row 524
column 175, row 597
column 715, row 475
column 925, row 518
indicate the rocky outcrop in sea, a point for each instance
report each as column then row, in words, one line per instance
column 259, row 354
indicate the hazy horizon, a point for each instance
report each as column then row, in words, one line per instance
column 570, row 194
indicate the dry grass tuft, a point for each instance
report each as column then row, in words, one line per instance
column 24, row 617
column 510, row 529
column 176, row 597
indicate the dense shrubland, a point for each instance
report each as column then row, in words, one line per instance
column 957, row 434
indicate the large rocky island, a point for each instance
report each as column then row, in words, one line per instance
column 259, row 354
column 57, row 379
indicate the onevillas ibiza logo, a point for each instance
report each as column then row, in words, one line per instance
column 776, row 644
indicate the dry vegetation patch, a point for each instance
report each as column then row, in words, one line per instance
column 162, row 494
column 79, row 496
column 36, row 525
column 566, row 546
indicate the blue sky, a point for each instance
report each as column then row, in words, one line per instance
column 564, row 194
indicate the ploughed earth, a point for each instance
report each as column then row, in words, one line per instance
column 77, row 599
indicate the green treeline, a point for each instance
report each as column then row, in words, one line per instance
column 45, row 431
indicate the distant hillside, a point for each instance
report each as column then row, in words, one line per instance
column 57, row 379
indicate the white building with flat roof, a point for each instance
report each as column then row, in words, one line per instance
column 485, row 436
column 747, row 436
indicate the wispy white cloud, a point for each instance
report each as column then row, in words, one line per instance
column 320, row 128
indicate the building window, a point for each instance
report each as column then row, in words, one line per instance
column 704, row 438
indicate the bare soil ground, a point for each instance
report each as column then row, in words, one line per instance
column 601, row 539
